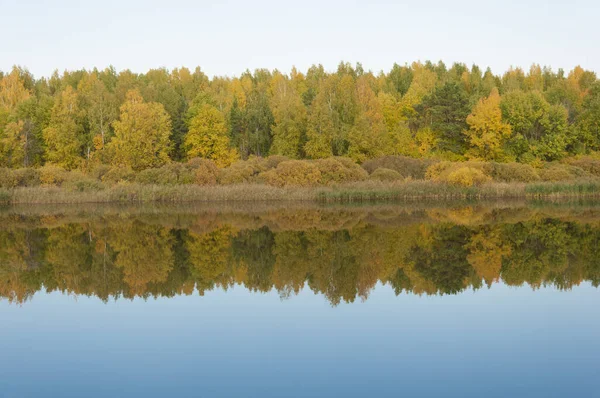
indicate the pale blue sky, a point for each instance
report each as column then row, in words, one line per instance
column 226, row 37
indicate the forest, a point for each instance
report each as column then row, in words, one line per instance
column 341, row 254
column 81, row 119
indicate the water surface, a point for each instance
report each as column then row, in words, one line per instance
column 277, row 300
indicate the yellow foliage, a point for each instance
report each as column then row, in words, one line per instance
column 141, row 134
column 467, row 176
column 207, row 137
column 486, row 131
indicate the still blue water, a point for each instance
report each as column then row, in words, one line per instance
column 496, row 342
column 382, row 301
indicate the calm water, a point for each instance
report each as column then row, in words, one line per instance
column 488, row 300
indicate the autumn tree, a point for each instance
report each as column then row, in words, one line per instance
column 63, row 136
column 99, row 107
column 368, row 137
column 15, row 127
column 207, row 137
column 141, row 134
column 487, row 132
column 289, row 115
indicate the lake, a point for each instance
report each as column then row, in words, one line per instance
column 299, row 300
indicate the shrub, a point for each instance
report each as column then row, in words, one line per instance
column 383, row 174
column 407, row 167
column 242, row 171
column 82, row 183
column 51, row 174
column 293, row 173
column 587, row 163
column 560, row 172
column 512, row 172
column 205, row 171
column 99, row 171
column 440, row 171
column 118, row 174
column 169, row 174
column 467, row 177
column 273, row 161
column 5, row 196
column 340, row 170
column 26, row 177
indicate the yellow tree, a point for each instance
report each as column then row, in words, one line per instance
column 321, row 129
column 289, row 114
column 141, row 134
column 367, row 138
column 487, row 132
column 207, row 137
column 99, row 109
column 423, row 83
column 13, row 132
column 12, row 91
column 63, row 134
column 13, row 144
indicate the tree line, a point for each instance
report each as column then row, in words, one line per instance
column 79, row 119
column 135, row 258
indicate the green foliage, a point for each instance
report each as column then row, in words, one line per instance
column 446, row 111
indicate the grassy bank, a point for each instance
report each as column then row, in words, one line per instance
column 367, row 191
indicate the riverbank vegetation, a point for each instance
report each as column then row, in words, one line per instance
column 279, row 178
column 179, row 134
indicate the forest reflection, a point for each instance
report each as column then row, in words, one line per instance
column 339, row 252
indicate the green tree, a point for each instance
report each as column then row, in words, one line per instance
column 445, row 111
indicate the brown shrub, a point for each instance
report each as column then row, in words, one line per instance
column 512, row 172
column 561, row 172
column 169, row 174
column 243, row 170
column 292, row 173
column 383, row 174
column 25, row 177
column 340, row 170
column 51, row 174
column 205, row 171
column 406, row 166
column 587, row 163
column 118, row 174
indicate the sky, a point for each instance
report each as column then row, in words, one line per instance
column 227, row 37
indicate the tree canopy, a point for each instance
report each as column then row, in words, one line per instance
column 83, row 118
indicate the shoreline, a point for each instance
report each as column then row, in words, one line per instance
column 369, row 191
